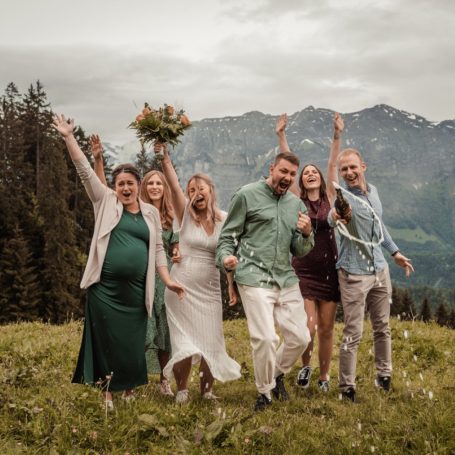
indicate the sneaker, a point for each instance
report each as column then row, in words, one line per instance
column 209, row 396
column 262, row 402
column 128, row 397
column 165, row 388
column 303, row 378
column 182, row 396
column 349, row 394
column 323, row 385
column 279, row 391
column 383, row 382
column 109, row 405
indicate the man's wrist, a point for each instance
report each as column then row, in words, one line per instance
column 395, row 253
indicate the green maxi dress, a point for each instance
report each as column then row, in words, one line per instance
column 157, row 338
column 115, row 314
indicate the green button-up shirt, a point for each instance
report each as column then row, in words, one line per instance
column 261, row 230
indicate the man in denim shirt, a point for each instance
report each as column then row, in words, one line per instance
column 363, row 273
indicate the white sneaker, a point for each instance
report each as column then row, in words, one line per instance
column 182, row 396
column 165, row 388
column 209, row 396
column 109, row 404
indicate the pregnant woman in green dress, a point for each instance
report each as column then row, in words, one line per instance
column 126, row 250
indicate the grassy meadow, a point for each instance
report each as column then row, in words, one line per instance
column 43, row 413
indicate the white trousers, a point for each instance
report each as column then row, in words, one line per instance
column 264, row 308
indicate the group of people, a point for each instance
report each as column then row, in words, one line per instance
column 140, row 318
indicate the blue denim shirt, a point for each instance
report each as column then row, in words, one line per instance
column 355, row 257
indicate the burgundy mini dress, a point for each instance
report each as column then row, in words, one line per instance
column 316, row 271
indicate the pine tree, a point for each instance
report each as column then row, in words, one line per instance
column 425, row 311
column 408, row 308
column 396, row 308
column 440, row 315
column 451, row 321
column 143, row 161
column 19, row 281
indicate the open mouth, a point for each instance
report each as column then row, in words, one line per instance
column 283, row 185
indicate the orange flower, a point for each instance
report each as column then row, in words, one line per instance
column 170, row 110
column 139, row 118
column 146, row 110
column 184, row 120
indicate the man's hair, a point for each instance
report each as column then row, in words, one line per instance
column 350, row 151
column 288, row 156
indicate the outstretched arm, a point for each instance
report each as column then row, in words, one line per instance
column 178, row 197
column 97, row 152
column 332, row 171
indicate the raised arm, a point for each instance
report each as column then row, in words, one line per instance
column 66, row 127
column 280, row 130
column 97, row 152
column 95, row 189
column 332, row 171
column 178, row 196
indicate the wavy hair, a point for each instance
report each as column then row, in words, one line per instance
column 213, row 211
column 166, row 209
column 322, row 188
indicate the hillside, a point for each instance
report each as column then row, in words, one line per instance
column 42, row 413
column 410, row 159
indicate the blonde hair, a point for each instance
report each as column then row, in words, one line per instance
column 213, row 211
column 166, row 209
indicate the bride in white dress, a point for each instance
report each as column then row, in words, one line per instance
column 195, row 323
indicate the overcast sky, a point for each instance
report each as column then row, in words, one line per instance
column 100, row 60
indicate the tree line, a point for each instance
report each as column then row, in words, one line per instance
column 47, row 220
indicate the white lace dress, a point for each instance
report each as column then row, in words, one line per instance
column 195, row 323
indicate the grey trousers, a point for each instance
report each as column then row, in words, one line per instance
column 357, row 292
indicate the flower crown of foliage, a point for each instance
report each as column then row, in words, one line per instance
column 164, row 124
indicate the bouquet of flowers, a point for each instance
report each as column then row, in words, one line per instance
column 164, row 124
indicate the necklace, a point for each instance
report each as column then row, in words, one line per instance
column 316, row 219
column 135, row 215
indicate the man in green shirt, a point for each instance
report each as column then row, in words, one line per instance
column 266, row 224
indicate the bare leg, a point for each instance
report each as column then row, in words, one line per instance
column 163, row 359
column 206, row 378
column 312, row 315
column 326, row 320
column 182, row 372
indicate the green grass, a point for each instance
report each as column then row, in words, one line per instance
column 42, row 413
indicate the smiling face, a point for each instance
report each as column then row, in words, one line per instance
column 127, row 189
column 282, row 176
column 352, row 169
column 311, row 178
column 199, row 193
column 155, row 188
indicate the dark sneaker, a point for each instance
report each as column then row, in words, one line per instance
column 323, row 385
column 279, row 392
column 262, row 402
column 303, row 378
column 349, row 394
column 383, row 382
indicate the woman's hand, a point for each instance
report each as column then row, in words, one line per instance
column 64, row 126
column 176, row 257
column 160, row 147
column 96, row 147
column 177, row 288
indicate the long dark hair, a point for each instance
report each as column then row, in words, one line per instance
column 322, row 188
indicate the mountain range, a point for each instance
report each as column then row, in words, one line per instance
column 411, row 161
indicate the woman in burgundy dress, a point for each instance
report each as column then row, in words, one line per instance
column 316, row 271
